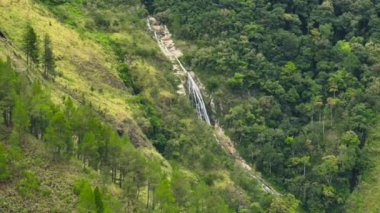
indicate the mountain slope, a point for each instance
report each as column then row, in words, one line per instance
column 112, row 70
column 293, row 83
column 168, row 48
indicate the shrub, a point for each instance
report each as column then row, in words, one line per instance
column 28, row 184
column 4, row 168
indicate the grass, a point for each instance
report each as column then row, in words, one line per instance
column 88, row 72
column 87, row 63
column 54, row 190
column 365, row 198
column 86, row 59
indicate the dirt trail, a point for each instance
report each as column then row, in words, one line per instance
column 168, row 48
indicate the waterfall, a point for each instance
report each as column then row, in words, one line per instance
column 197, row 99
column 193, row 89
column 166, row 44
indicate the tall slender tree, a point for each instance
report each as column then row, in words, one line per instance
column 8, row 82
column 20, row 118
column 98, row 201
column 48, row 58
column 31, row 46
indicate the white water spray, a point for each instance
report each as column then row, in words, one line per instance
column 193, row 89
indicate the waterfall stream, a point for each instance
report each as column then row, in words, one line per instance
column 162, row 34
column 167, row 46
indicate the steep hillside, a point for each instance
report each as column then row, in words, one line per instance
column 295, row 84
column 66, row 139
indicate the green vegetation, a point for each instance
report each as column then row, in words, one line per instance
column 31, row 46
column 78, row 132
column 366, row 194
column 84, row 136
column 48, row 58
column 91, row 121
column 293, row 83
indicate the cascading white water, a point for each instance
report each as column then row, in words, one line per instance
column 196, row 97
column 195, row 94
column 193, row 89
column 163, row 38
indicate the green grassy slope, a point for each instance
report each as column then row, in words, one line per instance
column 55, row 183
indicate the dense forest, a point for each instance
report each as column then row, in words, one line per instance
column 91, row 120
column 296, row 84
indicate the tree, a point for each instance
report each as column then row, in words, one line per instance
column 48, row 58
column 98, row 201
column 8, row 83
column 203, row 199
column 21, row 119
column 180, row 188
column 115, row 152
column 328, row 168
column 287, row 203
column 165, row 198
column 4, row 167
column 87, row 200
column 153, row 179
column 31, row 46
column 348, row 150
column 332, row 102
column 58, row 136
column 237, row 81
column 88, row 149
column 40, row 109
column 304, row 160
column 133, row 174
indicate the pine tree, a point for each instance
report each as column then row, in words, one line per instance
column 48, row 58
column 58, row 136
column 164, row 196
column 31, row 46
column 8, row 83
column 4, row 170
column 98, row 201
column 40, row 109
column 86, row 202
column 89, row 150
column 20, row 119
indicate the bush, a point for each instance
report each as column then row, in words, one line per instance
column 4, row 168
column 28, row 184
column 101, row 22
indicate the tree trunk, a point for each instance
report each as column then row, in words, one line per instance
column 331, row 115
column 112, row 175
column 120, row 179
column 270, row 168
column 304, row 170
column 27, row 62
column 304, row 192
column 5, row 118
column 148, row 193
column 323, row 128
column 153, row 204
column 7, row 115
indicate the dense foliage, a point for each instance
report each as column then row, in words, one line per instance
column 296, row 83
column 70, row 132
column 196, row 174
